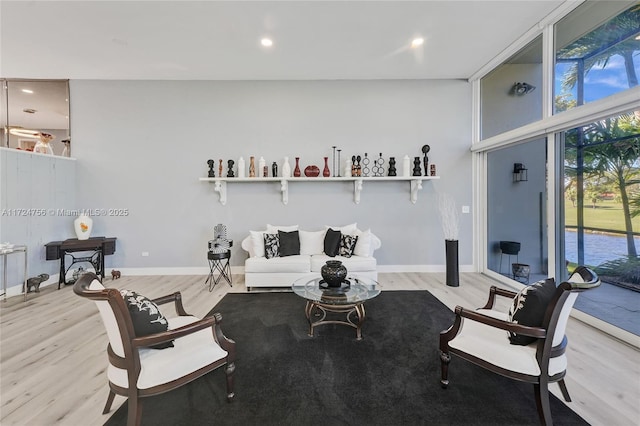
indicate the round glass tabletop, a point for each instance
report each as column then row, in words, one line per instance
column 354, row 290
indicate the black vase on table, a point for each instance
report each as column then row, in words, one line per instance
column 451, row 252
column 334, row 273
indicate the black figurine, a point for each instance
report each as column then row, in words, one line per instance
column 230, row 164
column 211, row 163
column 425, row 150
column 416, row 167
column 392, row 166
column 274, row 169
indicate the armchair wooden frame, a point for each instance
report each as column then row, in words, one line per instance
column 554, row 322
column 131, row 345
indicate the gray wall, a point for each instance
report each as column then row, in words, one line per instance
column 503, row 111
column 142, row 145
column 32, row 189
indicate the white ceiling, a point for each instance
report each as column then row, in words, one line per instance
column 220, row 40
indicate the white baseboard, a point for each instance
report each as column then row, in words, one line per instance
column 16, row 290
column 204, row 270
column 420, row 268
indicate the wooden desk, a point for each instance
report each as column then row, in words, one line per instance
column 99, row 246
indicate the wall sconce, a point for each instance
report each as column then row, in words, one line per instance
column 519, row 172
column 520, row 89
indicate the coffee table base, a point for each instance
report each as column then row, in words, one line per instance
column 321, row 312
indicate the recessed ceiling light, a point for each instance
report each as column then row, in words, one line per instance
column 27, row 91
column 638, row 37
column 417, row 42
column 266, row 42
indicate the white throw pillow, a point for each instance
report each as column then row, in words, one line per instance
column 257, row 243
column 311, row 242
column 346, row 229
column 363, row 245
column 273, row 229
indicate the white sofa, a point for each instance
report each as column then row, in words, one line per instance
column 283, row 271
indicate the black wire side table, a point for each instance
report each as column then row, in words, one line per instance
column 219, row 268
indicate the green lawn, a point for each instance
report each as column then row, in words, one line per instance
column 606, row 215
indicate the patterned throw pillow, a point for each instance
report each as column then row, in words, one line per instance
column 271, row 245
column 347, row 244
column 528, row 308
column 146, row 316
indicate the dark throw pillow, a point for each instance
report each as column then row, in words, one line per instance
column 289, row 243
column 271, row 245
column 347, row 244
column 332, row 242
column 146, row 317
column 529, row 306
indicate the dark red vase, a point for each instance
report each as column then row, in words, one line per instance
column 296, row 171
column 326, row 172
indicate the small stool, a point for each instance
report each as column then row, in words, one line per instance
column 219, row 263
column 510, row 248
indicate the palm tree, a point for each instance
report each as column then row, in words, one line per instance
column 617, row 162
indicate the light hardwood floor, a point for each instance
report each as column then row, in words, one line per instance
column 53, row 358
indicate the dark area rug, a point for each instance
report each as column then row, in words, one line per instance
column 391, row 377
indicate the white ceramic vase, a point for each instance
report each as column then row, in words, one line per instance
column 83, row 226
column 241, row 169
column 406, row 166
column 286, row 168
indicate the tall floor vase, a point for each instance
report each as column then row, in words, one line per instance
column 451, row 251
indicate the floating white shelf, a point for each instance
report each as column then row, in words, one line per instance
column 221, row 184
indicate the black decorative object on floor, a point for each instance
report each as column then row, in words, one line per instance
column 451, row 253
column 285, row 377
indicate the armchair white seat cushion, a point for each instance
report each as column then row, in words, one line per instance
column 488, row 343
column 159, row 366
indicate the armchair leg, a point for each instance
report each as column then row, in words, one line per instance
column 445, row 358
column 231, row 367
column 563, row 389
column 107, row 406
column 542, row 402
column 135, row 411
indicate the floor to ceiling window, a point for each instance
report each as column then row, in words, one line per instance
column 602, row 215
column 565, row 108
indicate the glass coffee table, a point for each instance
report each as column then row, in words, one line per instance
column 347, row 299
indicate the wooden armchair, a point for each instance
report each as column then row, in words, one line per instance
column 481, row 337
column 135, row 370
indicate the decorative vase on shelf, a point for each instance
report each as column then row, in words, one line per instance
column 252, row 166
column 241, row 170
column 274, row 169
column 261, row 165
column 333, row 273
column 83, row 226
column 417, row 170
column 326, row 172
column 296, row 171
column 286, row 168
column 311, row 171
column 392, row 166
column 406, row 166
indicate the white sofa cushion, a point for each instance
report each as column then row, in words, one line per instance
column 311, row 242
column 296, row 263
column 353, row 263
column 346, row 229
column 273, row 229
